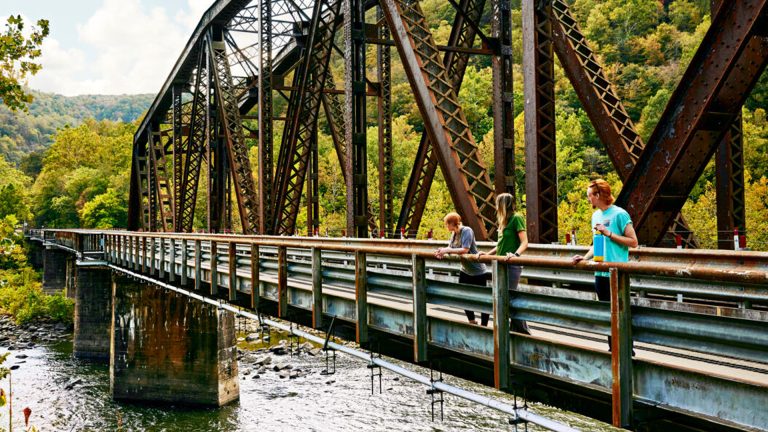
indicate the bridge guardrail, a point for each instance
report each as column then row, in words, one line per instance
column 326, row 277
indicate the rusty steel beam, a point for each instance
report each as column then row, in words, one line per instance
column 232, row 128
column 386, row 158
column 540, row 143
column 197, row 140
column 334, row 113
column 465, row 174
column 300, row 125
column 719, row 78
column 354, row 91
column 602, row 104
column 729, row 178
column 425, row 164
column 159, row 184
column 265, row 116
column 503, row 99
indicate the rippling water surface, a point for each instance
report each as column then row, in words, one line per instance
column 45, row 382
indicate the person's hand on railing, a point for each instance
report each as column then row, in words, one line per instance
column 440, row 252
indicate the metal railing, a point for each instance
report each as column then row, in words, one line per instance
column 351, row 278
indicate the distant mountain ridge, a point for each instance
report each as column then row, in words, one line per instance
column 22, row 133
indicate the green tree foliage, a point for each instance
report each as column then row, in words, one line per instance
column 17, row 55
column 85, row 163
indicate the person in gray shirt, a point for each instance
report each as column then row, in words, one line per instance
column 463, row 242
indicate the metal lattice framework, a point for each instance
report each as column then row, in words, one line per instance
column 253, row 68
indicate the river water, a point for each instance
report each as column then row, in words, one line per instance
column 66, row 394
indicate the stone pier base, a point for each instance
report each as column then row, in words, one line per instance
column 54, row 270
column 169, row 348
column 93, row 313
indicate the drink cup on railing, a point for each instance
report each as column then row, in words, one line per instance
column 679, row 241
column 735, row 239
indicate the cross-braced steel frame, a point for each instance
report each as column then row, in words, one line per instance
column 253, row 68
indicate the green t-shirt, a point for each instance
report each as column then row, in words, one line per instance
column 509, row 238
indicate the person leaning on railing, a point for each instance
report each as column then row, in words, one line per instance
column 616, row 230
column 463, row 242
column 513, row 241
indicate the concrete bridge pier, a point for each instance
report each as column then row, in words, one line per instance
column 93, row 313
column 35, row 251
column 54, row 270
column 70, row 286
column 169, row 348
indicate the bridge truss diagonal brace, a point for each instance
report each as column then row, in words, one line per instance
column 301, row 124
column 718, row 80
column 425, row 165
column 465, row 174
column 602, row 104
column 237, row 150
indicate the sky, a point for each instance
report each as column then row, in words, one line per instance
column 108, row 46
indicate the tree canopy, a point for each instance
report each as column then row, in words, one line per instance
column 17, row 55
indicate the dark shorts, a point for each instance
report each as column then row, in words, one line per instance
column 603, row 288
column 474, row 280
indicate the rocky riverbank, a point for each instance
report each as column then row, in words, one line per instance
column 29, row 335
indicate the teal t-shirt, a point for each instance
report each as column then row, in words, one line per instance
column 509, row 239
column 616, row 220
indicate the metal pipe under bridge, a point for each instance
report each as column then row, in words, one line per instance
column 695, row 318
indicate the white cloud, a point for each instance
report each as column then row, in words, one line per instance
column 133, row 49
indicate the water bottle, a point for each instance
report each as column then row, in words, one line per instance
column 598, row 242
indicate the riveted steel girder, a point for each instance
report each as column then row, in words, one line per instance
column 601, row 102
column 466, row 176
column 503, row 99
column 197, row 142
column 160, row 187
column 300, row 124
column 232, row 127
column 386, row 158
column 540, row 144
column 425, row 164
column 266, row 138
column 719, row 78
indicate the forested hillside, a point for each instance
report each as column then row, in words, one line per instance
column 22, row 133
column 645, row 46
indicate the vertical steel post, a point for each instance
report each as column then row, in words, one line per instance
column 420, row 336
column 621, row 349
column 172, row 260
column 255, row 276
column 540, row 144
column 265, row 117
column 161, row 260
column 184, row 265
column 232, row 271
column 503, row 99
column 386, row 158
column 361, row 297
column 282, row 281
column 354, row 90
column 501, row 342
column 214, row 264
column 198, row 265
column 178, row 150
column 317, row 288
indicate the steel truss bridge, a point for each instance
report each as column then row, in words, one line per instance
column 257, row 74
column 696, row 318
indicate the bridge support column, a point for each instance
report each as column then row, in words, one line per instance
column 169, row 348
column 35, row 253
column 93, row 313
column 69, row 279
column 54, row 270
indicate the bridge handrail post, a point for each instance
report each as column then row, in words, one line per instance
column 214, row 261
column 152, row 256
column 255, row 277
column 501, row 336
column 198, row 265
column 184, row 266
column 135, row 243
column 621, row 349
column 161, row 258
column 420, row 320
column 172, row 260
column 232, row 271
column 282, row 281
column 317, row 288
column 361, row 297
column 143, row 254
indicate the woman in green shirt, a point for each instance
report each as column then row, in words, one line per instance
column 512, row 242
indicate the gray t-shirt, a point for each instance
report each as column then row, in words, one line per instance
column 467, row 240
